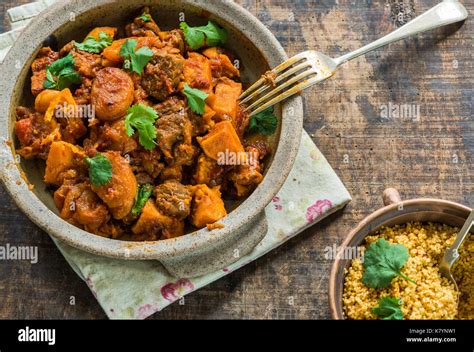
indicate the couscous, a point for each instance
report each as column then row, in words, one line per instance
column 419, row 288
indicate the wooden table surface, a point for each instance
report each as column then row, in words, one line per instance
column 429, row 156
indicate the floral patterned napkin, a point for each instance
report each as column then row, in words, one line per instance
column 137, row 289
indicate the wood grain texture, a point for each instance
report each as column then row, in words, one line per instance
column 429, row 157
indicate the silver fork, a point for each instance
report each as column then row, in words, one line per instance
column 310, row 67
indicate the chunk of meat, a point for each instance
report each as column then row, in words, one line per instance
column 247, row 177
column 35, row 134
column 225, row 99
column 241, row 122
column 112, row 93
column 45, row 57
column 87, row 64
column 173, row 199
column 65, row 161
column 208, row 206
column 197, row 72
column 163, row 74
column 119, row 193
column 221, row 66
column 208, row 172
column 81, row 207
column 146, row 161
column 221, row 140
column 172, row 172
column 141, row 27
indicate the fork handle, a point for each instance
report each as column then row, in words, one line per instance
column 447, row 12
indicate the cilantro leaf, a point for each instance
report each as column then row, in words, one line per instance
column 389, row 309
column 382, row 262
column 100, row 170
column 196, row 99
column 145, row 17
column 208, row 35
column 61, row 74
column 142, row 119
column 135, row 60
column 93, row 45
column 264, row 122
column 144, row 193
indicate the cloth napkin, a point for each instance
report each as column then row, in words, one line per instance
column 138, row 289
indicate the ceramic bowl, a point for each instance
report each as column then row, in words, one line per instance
column 395, row 212
column 193, row 254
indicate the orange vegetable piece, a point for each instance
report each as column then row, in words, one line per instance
column 62, row 157
column 112, row 52
column 64, row 97
column 208, row 206
column 44, row 99
column 110, row 31
column 224, row 101
column 197, row 72
column 221, row 139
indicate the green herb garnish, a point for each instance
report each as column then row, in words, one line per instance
column 389, row 309
column 196, row 99
column 93, row 45
column 62, row 74
column 208, row 35
column 100, row 170
column 264, row 122
column 145, row 17
column 382, row 262
column 144, row 193
column 142, row 119
column 135, row 60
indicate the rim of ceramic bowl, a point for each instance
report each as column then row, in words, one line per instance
column 53, row 19
column 334, row 302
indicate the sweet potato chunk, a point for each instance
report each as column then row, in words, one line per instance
column 110, row 31
column 197, row 72
column 44, row 99
column 81, row 207
column 119, row 194
column 208, row 172
column 112, row 52
column 221, row 66
column 152, row 221
column 221, row 139
column 208, row 206
column 112, row 93
column 224, row 100
column 64, row 161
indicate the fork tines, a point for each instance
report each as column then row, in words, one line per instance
column 291, row 77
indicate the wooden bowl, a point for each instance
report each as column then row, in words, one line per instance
column 395, row 212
